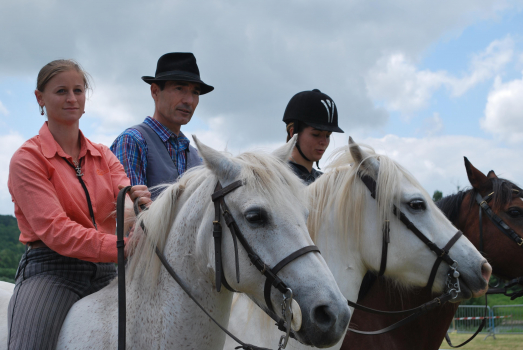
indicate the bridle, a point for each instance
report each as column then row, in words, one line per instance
column 496, row 220
column 452, row 286
column 272, row 279
column 504, row 228
column 441, row 253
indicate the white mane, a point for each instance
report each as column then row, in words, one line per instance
column 342, row 189
column 262, row 173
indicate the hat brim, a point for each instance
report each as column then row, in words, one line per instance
column 324, row 127
column 204, row 88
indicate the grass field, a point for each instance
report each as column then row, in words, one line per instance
column 502, row 342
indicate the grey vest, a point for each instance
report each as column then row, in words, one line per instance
column 160, row 166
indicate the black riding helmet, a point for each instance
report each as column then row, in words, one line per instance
column 311, row 108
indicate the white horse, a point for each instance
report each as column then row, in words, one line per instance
column 6, row 290
column 271, row 214
column 341, row 204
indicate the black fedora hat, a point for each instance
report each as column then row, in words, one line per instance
column 178, row 66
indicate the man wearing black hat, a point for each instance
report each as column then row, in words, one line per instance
column 313, row 116
column 156, row 151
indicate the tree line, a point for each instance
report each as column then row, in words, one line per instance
column 11, row 249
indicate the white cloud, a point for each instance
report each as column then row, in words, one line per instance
column 3, row 110
column 504, row 111
column 256, row 54
column 397, row 82
column 8, row 145
column 437, row 162
column 433, row 125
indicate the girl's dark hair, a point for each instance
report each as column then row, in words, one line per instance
column 298, row 127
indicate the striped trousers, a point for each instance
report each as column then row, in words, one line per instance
column 47, row 286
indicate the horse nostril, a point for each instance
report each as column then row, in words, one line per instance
column 486, row 270
column 323, row 317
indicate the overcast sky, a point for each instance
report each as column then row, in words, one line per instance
column 426, row 82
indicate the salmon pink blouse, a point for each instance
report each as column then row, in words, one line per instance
column 51, row 205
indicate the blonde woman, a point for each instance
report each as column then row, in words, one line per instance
column 64, row 188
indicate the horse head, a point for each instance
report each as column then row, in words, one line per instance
column 503, row 250
column 369, row 216
column 260, row 213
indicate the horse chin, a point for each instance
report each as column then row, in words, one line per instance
column 465, row 293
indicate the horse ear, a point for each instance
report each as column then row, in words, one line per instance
column 476, row 178
column 220, row 164
column 361, row 157
column 492, row 175
column 284, row 152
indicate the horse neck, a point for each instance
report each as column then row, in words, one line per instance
column 175, row 316
column 339, row 245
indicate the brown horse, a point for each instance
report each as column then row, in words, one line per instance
column 505, row 256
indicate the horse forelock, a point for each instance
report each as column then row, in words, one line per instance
column 272, row 179
column 261, row 173
column 503, row 193
column 342, row 190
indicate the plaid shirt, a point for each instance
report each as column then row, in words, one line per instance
column 131, row 149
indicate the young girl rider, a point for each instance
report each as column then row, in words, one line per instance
column 313, row 116
column 64, row 189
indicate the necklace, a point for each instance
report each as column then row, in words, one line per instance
column 78, row 168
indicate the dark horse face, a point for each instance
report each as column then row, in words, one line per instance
column 503, row 253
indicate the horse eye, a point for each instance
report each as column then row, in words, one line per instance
column 417, row 204
column 514, row 213
column 257, row 216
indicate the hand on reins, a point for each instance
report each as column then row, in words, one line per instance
column 140, row 193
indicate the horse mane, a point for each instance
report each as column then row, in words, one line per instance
column 262, row 173
column 451, row 204
column 502, row 188
column 341, row 188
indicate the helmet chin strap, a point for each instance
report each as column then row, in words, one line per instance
column 301, row 153
column 304, row 157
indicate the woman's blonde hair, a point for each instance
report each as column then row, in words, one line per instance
column 50, row 70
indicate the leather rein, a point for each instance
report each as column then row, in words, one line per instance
column 452, row 286
column 272, row 279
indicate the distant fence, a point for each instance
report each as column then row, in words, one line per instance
column 506, row 319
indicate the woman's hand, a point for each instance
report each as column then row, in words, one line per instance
column 141, row 193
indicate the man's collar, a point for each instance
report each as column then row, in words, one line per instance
column 163, row 132
column 50, row 147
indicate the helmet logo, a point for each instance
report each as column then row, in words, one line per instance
column 330, row 107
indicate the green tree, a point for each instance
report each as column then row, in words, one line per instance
column 437, row 196
column 11, row 249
